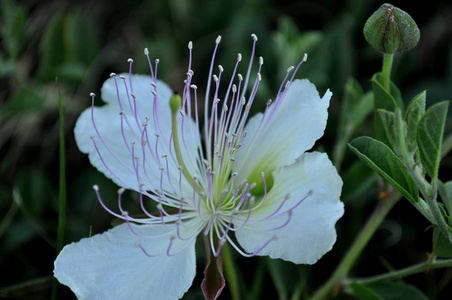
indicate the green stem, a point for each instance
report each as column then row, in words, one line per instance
column 361, row 241
column 386, row 71
column 397, row 274
column 62, row 186
column 231, row 273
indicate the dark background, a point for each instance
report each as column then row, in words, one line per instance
column 81, row 42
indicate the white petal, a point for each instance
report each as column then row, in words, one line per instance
column 115, row 144
column 298, row 122
column 311, row 230
column 111, row 266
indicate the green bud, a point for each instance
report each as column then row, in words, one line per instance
column 391, row 30
column 175, row 102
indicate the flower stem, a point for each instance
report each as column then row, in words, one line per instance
column 231, row 273
column 397, row 274
column 361, row 241
column 386, row 71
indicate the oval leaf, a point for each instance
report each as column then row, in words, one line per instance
column 429, row 137
column 380, row 157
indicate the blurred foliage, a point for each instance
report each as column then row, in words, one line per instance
column 81, row 42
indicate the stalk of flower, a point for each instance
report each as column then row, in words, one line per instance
column 247, row 182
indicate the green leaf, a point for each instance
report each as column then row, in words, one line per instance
column 383, row 99
column 445, row 191
column 441, row 245
column 68, row 47
column 429, row 137
column 361, row 292
column 413, row 115
column 397, row 291
column 381, row 159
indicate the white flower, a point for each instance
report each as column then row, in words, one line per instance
column 247, row 183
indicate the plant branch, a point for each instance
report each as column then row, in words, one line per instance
column 356, row 249
column 397, row 274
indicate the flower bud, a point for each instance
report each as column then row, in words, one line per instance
column 391, row 30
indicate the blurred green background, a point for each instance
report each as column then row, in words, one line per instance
column 81, row 42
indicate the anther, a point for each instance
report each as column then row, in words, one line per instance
column 261, row 60
column 289, row 69
column 243, row 101
column 239, row 57
column 220, row 67
column 133, row 95
column 146, row 51
column 190, row 45
column 154, row 92
column 259, row 76
column 130, row 60
column 254, row 37
column 215, row 78
column 269, row 101
column 287, row 84
column 287, row 197
column 112, row 74
column 234, row 174
column 122, row 77
column 225, row 107
column 194, row 86
column 218, row 40
column 96, row 187
column 234, row 88
column 240, row 77
column 120, row 191
column 153, row 84
column 305, row 57
column 92, row 94
column 157, row 61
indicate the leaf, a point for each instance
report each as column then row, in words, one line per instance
column 429, row 137
column 413, row 115
column 384, row 99
column 445, row 191
column 397, row 291
column 381, row 159
column 361, row 292
column 441, row 245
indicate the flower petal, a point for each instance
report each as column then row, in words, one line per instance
column 127, row 153
column 111, row 266
column 295, row 126
column 310, row 232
